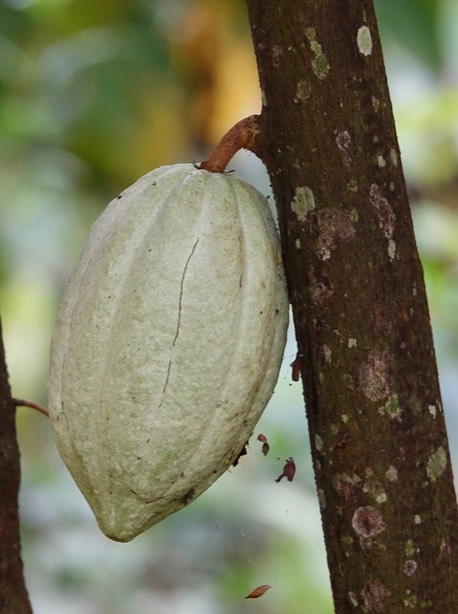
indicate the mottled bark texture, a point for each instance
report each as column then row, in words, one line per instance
column 13, row 594
column 376, row 423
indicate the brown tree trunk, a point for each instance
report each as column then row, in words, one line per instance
column 13, row 594
column 380, row 450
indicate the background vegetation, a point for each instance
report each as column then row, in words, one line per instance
column 93, row 95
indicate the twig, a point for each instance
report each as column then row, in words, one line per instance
column 37, row 406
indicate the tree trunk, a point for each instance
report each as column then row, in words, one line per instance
column 376, row 424
column 13, row 594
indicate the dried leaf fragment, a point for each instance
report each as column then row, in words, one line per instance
column 296, row 367
column 288, row 470
column 265, row 444
column 258, row 591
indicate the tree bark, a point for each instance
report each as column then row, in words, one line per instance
column 13, row 593
column 376, row 423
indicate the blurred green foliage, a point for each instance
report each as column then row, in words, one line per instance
column 92, row 95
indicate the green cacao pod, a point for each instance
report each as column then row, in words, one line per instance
column 167, row 345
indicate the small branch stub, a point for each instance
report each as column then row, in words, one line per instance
column 37, row 406
column 243, row 135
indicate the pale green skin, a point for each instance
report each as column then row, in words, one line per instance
column 168, row 344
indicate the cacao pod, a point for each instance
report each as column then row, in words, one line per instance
column 167, row 345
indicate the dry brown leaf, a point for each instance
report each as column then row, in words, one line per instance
column 258, row 591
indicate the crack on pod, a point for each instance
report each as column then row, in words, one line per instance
column 142, row 499
column 180, row 307
column 180, row 300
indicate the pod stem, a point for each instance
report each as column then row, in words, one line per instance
column 37, row 406
column 242, row 135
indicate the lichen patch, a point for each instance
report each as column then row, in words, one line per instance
column 322, row 498
column 334, row 226
column 437, row 463
column 382, row 320
column 375, row 103
column 321, row 287
column 392, row 408
column 326, row 353
column 320, row 64
column 391, row 249
column 353, row 599
column 352, row 186
column 367, row 522
column 375, row 489
column 391, row 474
column 409, row 548
column 375, row 596
column 303, row 91
column 318, row 443
column 386, row 215
column 303, row 202
column 346, row 485
column 410, row 567
column 364, row 40
column 343, row 140
column 374, row 375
